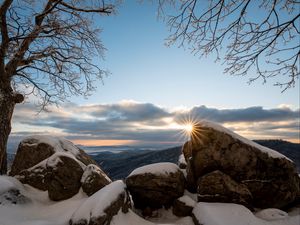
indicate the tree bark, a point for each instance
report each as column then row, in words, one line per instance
column 7, row 105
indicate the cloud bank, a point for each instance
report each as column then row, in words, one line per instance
column 130, row 122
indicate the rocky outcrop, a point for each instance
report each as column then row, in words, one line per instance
column 100, row 208
column 219, row 187
column 155, row 185
column 60, row 175
column 34, row 149
column 93, row 179
column 270, row 177
column 58, row 167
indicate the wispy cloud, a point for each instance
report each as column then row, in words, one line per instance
column 146, row 123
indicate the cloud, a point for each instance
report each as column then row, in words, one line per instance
column 149, row 123
column 251, row 114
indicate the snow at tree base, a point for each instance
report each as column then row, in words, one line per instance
column 223, row 179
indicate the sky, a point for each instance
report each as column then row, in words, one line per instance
column 151, row 86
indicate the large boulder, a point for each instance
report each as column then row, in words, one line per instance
column 219, row 187
column 93, row 179
column 155, row 185
column 55, row 165
column 100, row 208
column 271, row 177
column 34, row 149
column 60, row 175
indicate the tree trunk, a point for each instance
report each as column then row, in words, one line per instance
column 7, row 105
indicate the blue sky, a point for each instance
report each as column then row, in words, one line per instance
column 151, row 85
column 144, row 69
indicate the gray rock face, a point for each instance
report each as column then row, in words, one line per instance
column 155, row 190
column 269, row 176
column 93, row 179
column 30, row 153
column 219, row 187
column 64, row 179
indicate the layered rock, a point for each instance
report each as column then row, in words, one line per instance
column 270, row 177
column 100, row 208
column 155, row 185
column 57, row 166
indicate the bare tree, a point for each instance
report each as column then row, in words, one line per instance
column 255, row 37
column 47, row 49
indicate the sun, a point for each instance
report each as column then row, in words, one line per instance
column 188, row 128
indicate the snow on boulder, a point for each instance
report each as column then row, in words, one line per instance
column 233, row 214
column 9, row 191
column 100, row 208
column 271, row 177
column 271, row 214
column 155, row 185
column 55, row 165
column 60, row 175
column 93, row 179
column 182, row 162
column 35, row 149
column 183, row 206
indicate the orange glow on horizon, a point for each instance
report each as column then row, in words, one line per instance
column 103, row 142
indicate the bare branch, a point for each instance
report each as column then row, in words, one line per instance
column 229, row 30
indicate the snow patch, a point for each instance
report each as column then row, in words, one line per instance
column 157, row 169
column 233, row 214
column 52, row 161
column 60, row 144
column 188, row 201
column 182, row 160
column 271, row 214
column 6, row 184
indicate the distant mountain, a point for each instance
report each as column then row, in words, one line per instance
column 118, row 164
column 291, row 150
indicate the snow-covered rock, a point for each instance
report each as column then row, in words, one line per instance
column 183, row 206
column 10, row 193
column 60, row 175
column 34, row 149
column 156, row 185
column 41, row 211
column 182, row 162
column 100, row 208
column 56, row 165
column 93, row 179
column 271, row 177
